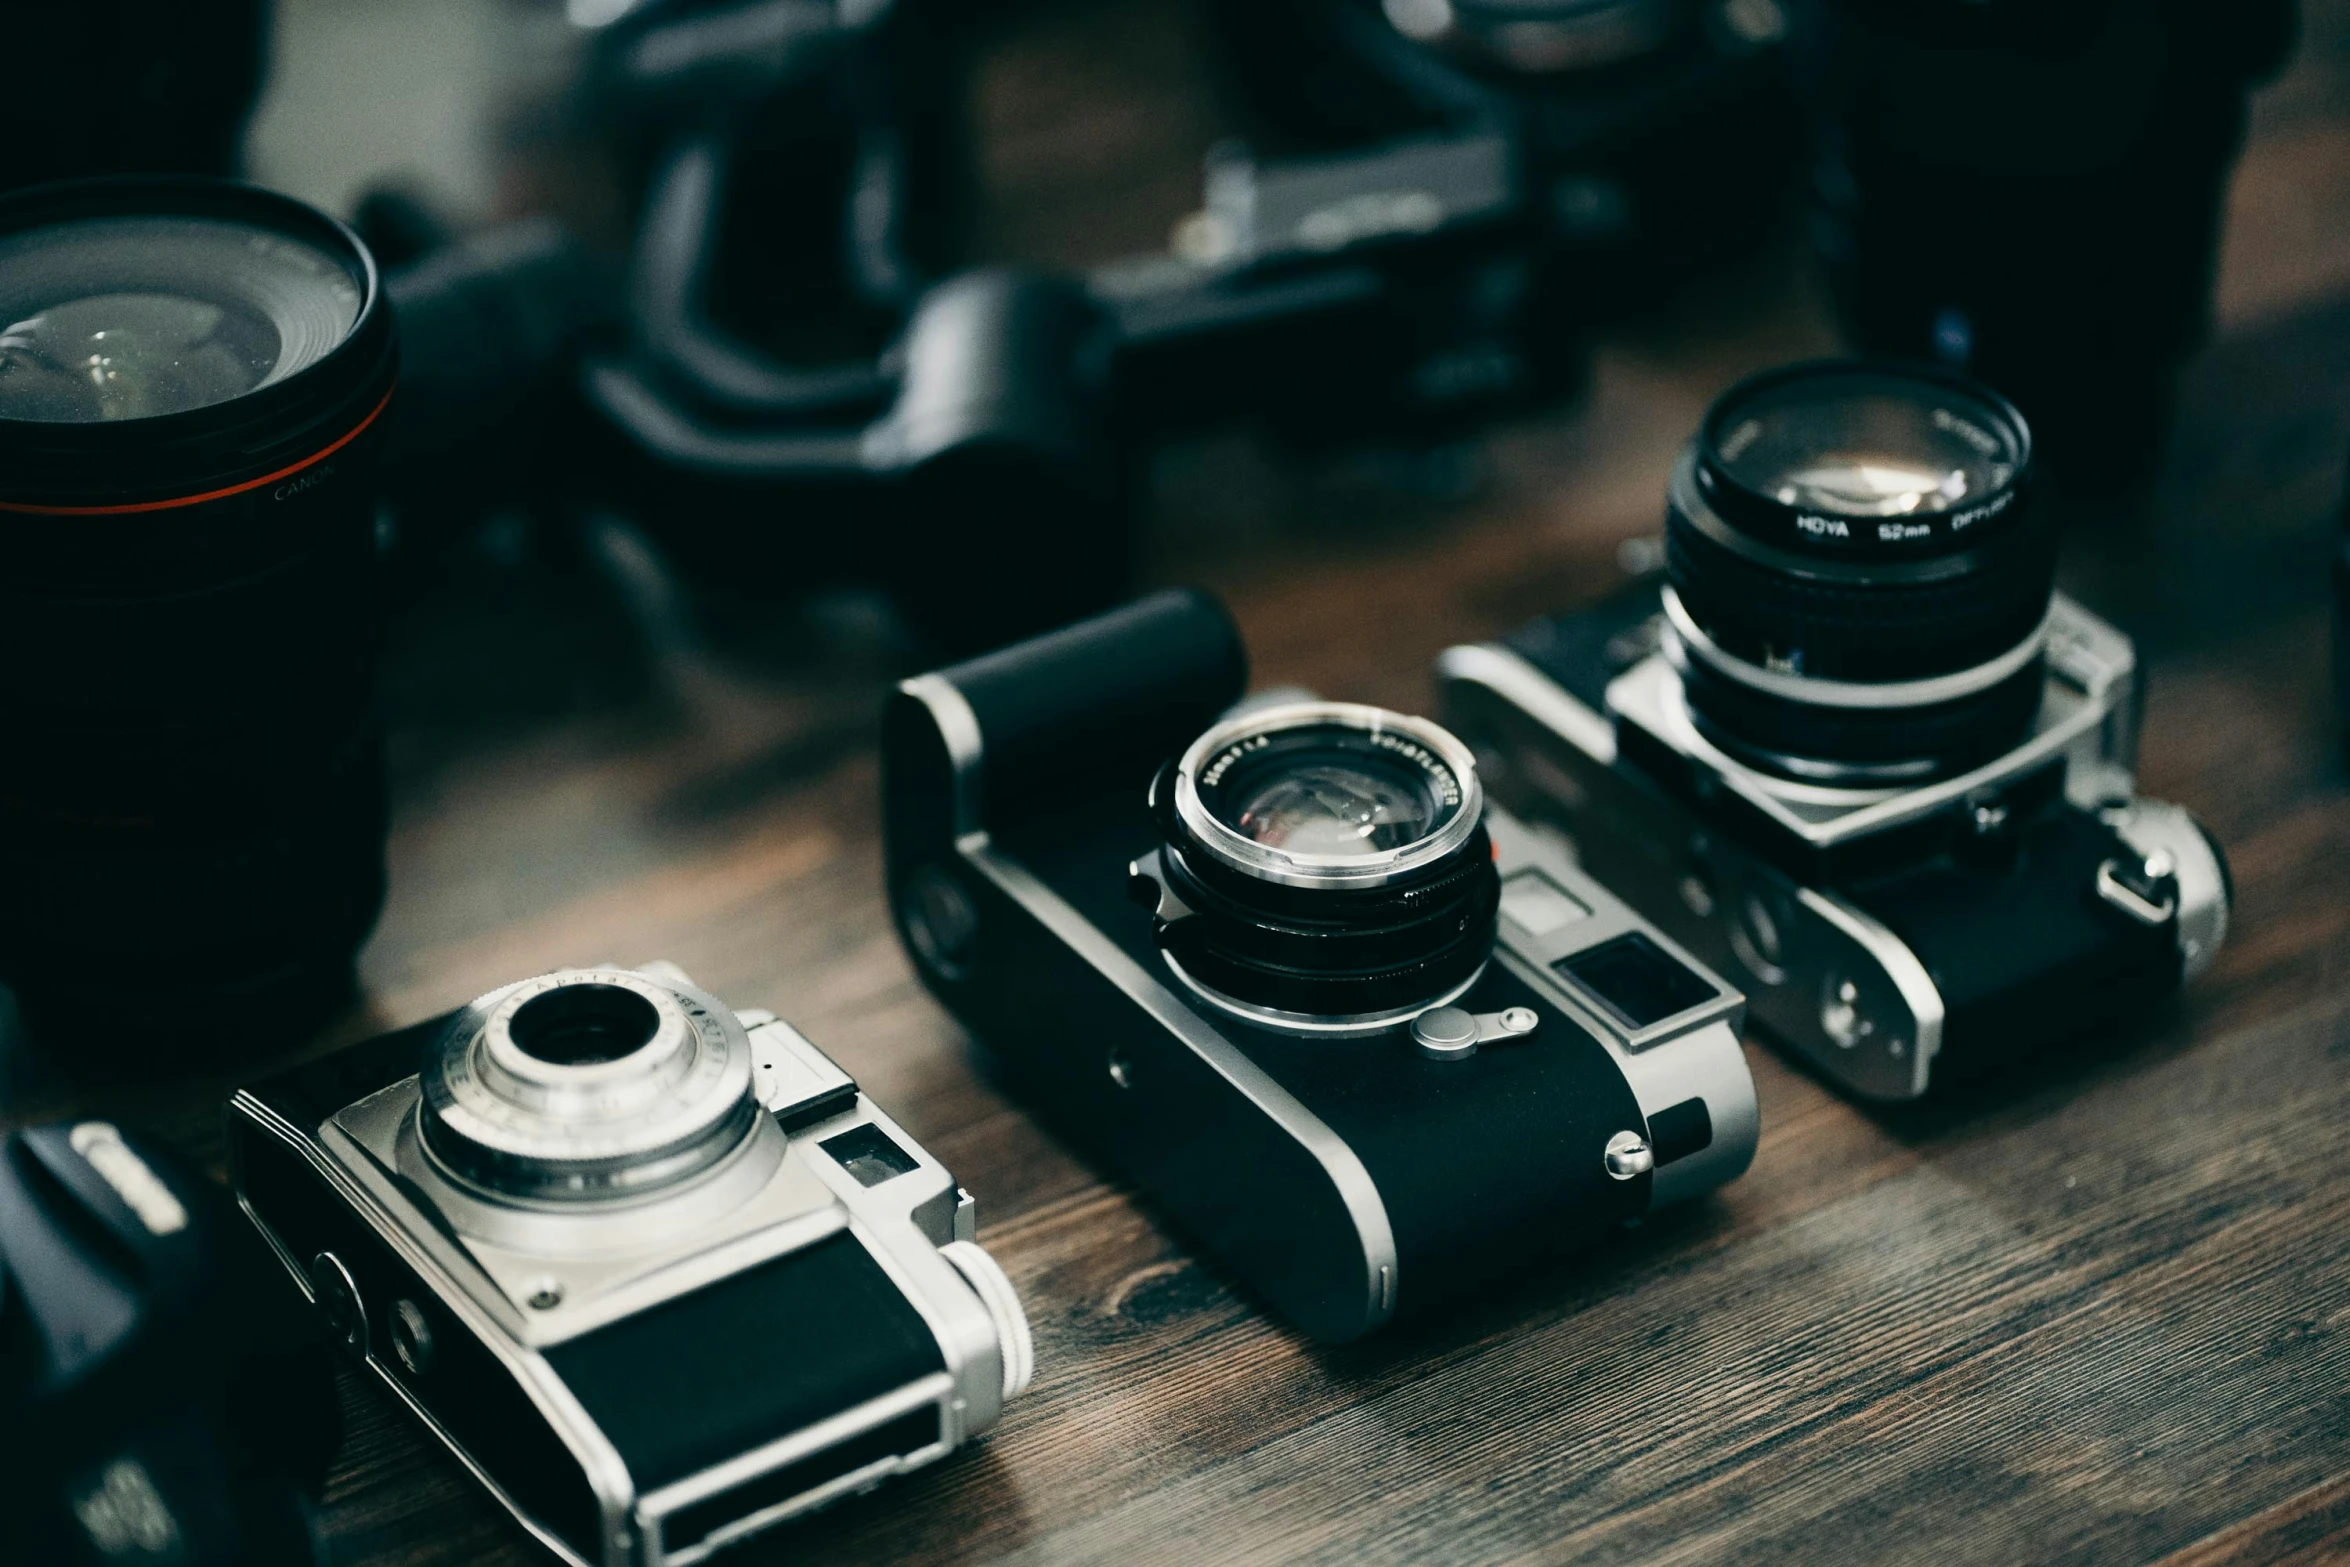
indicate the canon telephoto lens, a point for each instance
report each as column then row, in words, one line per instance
column 193, row 377
column 1330, row 866
column 1859, row 571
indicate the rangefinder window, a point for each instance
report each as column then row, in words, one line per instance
column 1636, row 980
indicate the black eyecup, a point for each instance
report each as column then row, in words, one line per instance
column 1106, row 698
column 195, row 452
column 1836, row 536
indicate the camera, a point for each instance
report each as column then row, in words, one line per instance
column 1854, row 748
column 656, row 1272
column 166, row 1401
column 1375, row 1044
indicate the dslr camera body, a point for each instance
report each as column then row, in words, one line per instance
column 654, row 1271
column 1852, row 747
column 1374, row 1044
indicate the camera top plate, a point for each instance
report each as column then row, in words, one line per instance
column 2088, row 720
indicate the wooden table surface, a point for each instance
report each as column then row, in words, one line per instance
column 2098, row 1312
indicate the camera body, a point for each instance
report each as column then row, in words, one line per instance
column 1891, row 936
column 165, row 1400
column 1349, row 1176
column 656, row 1272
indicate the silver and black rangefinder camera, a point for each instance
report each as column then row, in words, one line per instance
column 655, row 1271
column 1851, row 747
column 1373, row 1043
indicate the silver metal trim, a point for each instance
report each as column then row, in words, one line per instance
column 1532, row 692
column 1334, row 871
column 1684, row 635
column 958, row 729
column 656, row 1507
column 607, row 1476
column 1898, row 964
column 2151, row 826
column 1339, row 1162
column 2085, row 718
column 1309, row 1025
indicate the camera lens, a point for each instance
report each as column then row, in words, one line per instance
column 586, row 1085
column 1859, row 575
column 1332, row 866
column 584, row 1025
column 192, row 381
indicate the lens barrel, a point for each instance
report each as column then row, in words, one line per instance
column 587, row 1085
column 193, row 378
column 1859, row 570
column 1326, row 867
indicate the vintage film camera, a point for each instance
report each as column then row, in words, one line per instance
column 1374, row 1044
column 1854, row 749
column 655, row 1271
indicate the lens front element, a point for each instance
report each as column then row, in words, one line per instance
column 135, row 317
column 1328, row 793
column 1859, row 457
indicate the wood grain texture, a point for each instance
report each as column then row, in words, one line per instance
column 2099, row 1312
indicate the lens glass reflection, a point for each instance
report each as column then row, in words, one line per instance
column 1333, row 809
column 1861, row 444
column 1331, row 790
column 130, row 318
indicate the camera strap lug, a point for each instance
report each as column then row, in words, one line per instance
column 2147, row 890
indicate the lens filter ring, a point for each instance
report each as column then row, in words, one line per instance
column 1328, row 795
column 1325, row 868
column 167, row 343
column 587, row 1084
column 1864, row 459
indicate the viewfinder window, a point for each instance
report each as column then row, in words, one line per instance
column 1636, row 980
column 868, row 1154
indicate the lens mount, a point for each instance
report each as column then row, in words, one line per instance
column 1325, row 868
column 587, row 1085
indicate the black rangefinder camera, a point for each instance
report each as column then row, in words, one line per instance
column 1853, row 748
column 1372, row 1042
column 655, row 1271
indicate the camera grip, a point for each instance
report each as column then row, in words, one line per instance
column 1113, row 695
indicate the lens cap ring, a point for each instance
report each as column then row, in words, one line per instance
column 1864, row 459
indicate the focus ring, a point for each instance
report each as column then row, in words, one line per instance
column 1880, row 628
